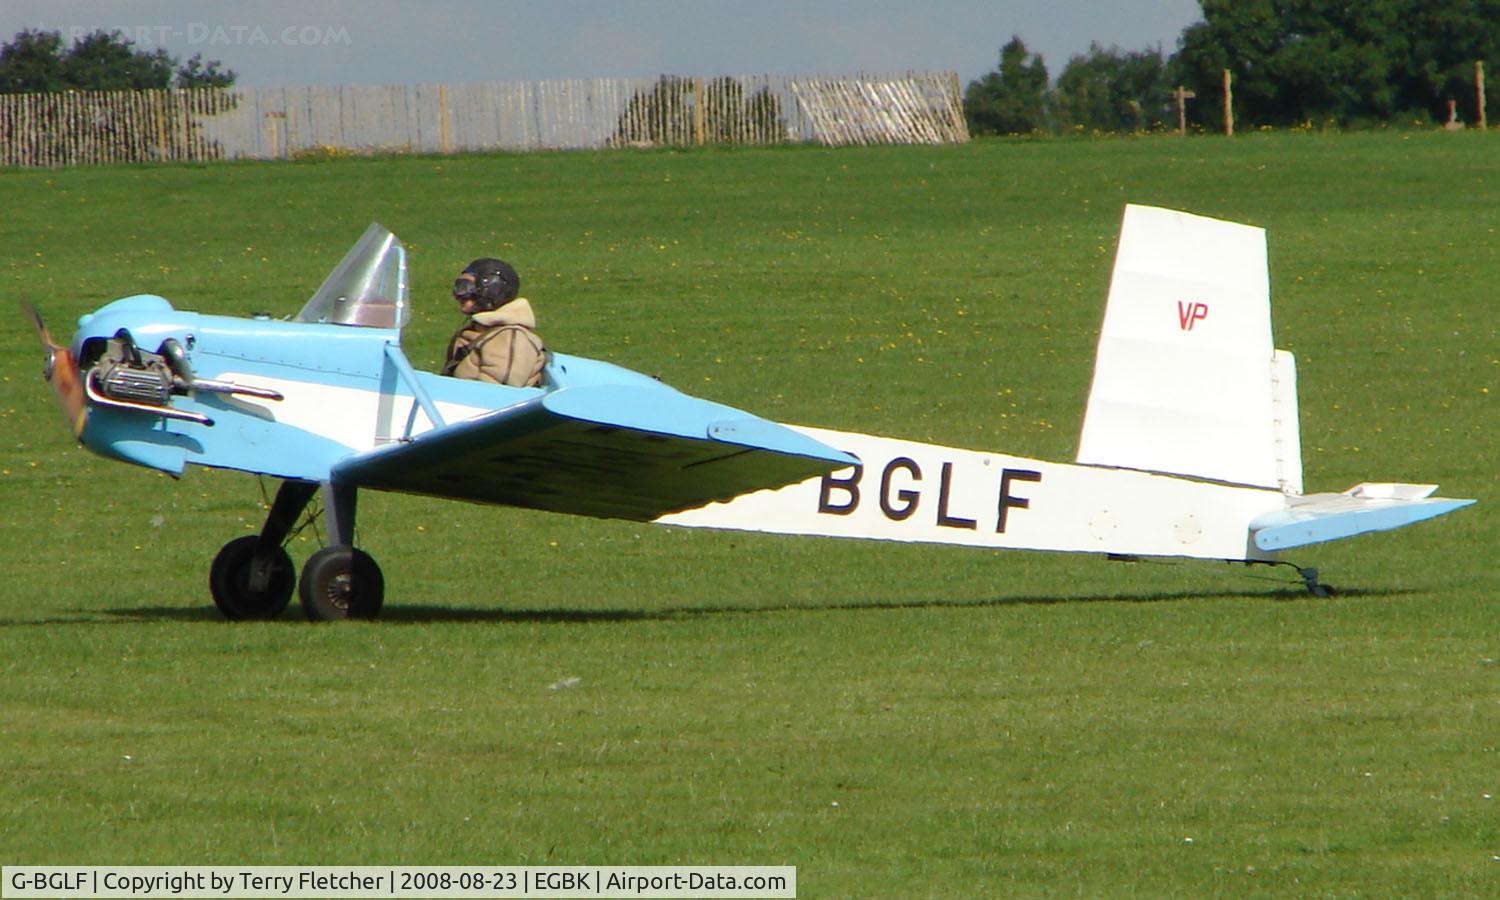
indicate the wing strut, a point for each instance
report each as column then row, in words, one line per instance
column 424, row 399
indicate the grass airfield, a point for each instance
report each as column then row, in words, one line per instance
column 893, row 720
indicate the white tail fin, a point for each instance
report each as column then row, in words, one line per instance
column 1186, row 380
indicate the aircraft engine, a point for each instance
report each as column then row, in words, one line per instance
column 126, row 373
column 121, row 375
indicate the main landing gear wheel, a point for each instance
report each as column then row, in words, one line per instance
column 253, row 577
column 341, row 582
column 251, row 581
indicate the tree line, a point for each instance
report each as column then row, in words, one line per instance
column 1293, row 62
column 38, row 61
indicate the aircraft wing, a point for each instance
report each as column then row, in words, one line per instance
column 1361, row 509
column 614, row 451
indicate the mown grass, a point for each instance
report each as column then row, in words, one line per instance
column 893, row 720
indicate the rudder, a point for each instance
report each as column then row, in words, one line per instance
column 1186, row 380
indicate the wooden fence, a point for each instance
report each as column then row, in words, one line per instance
column 89, row 127
column 83, row 128
column 883, row 111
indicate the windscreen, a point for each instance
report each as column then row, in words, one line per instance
column 368, row 286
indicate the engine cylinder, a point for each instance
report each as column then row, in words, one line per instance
column 120, row 381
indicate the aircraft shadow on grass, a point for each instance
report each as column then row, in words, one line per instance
column 423, row 614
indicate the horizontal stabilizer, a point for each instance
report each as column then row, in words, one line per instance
column 629, row 452
column 1369, row 507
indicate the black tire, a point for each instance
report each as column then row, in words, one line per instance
column 341, row 582
column 229, row 580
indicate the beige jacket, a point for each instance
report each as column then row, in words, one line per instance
column 500, row 346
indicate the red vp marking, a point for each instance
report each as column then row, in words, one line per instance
column 1189, row 314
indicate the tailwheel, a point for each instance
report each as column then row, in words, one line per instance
column 250, row 580
column 1313, row 585
column 1310, row 580
column 341, row 582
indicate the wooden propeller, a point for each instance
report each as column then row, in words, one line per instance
column 61, row 371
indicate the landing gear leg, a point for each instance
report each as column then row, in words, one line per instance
column 253, row 577
column 1309, row 577
column 1313, row 585
column 341, row 581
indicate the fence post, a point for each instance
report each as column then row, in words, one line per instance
column 1228, row 104
column 1182, row 96
column 700, row 115
column 1479, row 90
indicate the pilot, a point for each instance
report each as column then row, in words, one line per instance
column 498, row 343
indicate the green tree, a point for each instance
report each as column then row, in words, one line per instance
column 1297, row 61
column 106, row 61
column 36, row 61
column 1111, row 90
column 32, row 63
column 1445, row 39
column 195, row 73
column 1012, row 99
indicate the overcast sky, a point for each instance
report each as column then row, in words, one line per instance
column 272, row 43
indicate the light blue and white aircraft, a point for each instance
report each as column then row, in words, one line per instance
column 1190, row 442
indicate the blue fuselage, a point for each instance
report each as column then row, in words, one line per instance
column 345, row 390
